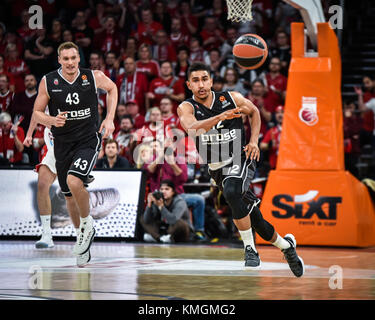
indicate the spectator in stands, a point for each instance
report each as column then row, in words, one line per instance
column 162, row 16
column 39, row 54
column 196, row 51
column 96, row 21
column 56, row 33
column 112, row 66
column 271, row 140
column 132, row 109
column 132, row 85
column 182, row 64
column 219, row 13
column 368, row 116
column 167, row 218
column 120, row 112
column 15, row 66
column 163, row 50
column 6, row 96
column 147, row 27
column 261, row 98
column 226, row 49
column 130, row 49
column 211, row 34
column 364, row 107
column 11, row 139
column 24, row 30
column 112, row 159
column 23, row 102
column 177, row 36
column 3, row 71
column 96, row 61
column 146, row 64
column 282, row 51
column 167, row 85
column 152, row 130
column 213, row 60
column 125, row 138
column 285, row 14
column 82, row 33
column 110, row 39
column 188, row 20
column 276, row 82
column 218, row 84
column 352, row 130
column 231, row 82
column 170, row 119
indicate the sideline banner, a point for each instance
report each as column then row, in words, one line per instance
column 114, row 204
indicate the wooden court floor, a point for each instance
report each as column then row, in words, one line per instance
column 137, row 271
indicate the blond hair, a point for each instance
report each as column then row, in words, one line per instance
column 67, row 45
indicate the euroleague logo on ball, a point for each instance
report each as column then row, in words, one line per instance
column 308, row 112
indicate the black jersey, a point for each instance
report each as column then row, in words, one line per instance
column 227, row 139
column 79, row 98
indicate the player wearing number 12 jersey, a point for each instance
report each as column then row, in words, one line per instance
column 214, row 120
column 71, row 95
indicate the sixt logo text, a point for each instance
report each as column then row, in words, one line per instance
column 304, row 206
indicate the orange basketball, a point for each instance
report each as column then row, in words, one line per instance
column 250, row 51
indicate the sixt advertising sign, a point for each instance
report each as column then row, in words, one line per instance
column 305, row 206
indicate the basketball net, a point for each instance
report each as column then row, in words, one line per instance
column 239, row 10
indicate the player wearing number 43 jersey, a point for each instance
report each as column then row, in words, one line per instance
column 214, row 120
column 71, row 95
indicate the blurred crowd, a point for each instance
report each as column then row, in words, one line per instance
column 145, row 47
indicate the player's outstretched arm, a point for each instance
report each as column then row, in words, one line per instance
column 247, row 107
column 192, row 126
column 40, row 105
column 103, row 82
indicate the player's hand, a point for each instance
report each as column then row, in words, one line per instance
column 28, row 141
column 252, row 151
column 230, row 114
column 60, row 119
column 108, row 126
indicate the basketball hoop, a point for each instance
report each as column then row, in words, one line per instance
column 239, row 10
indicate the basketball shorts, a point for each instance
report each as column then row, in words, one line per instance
column 243, row 171
column 77, row 158
column 48, row 158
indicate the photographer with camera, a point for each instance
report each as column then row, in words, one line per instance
column 166, row 218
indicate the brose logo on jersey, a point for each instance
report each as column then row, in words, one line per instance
column 225, row 136
column 77, row 114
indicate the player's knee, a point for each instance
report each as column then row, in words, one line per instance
column 43, row 185
column 232, row 191
column 74, row 183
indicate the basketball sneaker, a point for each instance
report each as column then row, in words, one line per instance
column 148, row 238
column 45, row 241
column 252, row 260
column 295, row 262
column 103, row 201
column 85, row 237
column 166, row 238
column 83, row 259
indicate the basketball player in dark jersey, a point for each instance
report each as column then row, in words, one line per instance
column 71, row 95
column 213, row 119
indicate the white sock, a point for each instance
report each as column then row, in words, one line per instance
column 247, row 238
column 46, row 223
column 77, row 231
column 281, row 243
column 87, row 219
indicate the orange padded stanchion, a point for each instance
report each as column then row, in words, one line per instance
column 310, row 194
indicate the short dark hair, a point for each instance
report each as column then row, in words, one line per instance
column 109, row 141
column 127, row 116
column 169, row 183
column 198, row 66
